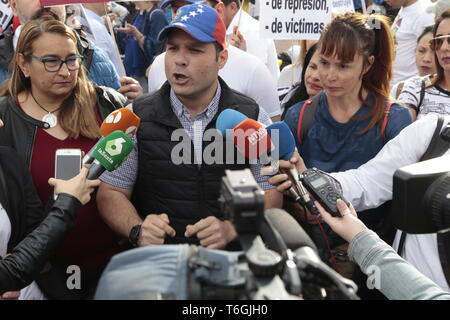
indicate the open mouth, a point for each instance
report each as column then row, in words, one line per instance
column 180, row 76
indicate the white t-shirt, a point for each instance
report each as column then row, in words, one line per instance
column 435, row 99
column 242, row 72
column 102, row 39
column 407, row 27
column 371, row 185
column 289, row 76
column 32, row 292
column 263, row 49
column 5, row 231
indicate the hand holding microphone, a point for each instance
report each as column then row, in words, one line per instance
column 284, row 149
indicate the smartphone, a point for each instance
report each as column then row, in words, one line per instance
column 67, row 163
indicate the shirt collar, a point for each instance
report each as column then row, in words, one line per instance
column 179, row 109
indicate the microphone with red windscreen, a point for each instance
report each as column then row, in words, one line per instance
column 248, row 135
column 251, row 139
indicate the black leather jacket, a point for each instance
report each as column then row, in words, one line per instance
column 19, row 129
column 28, row 258
column 30, row 255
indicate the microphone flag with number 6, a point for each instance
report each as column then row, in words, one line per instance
column 122, row 119
column 109, row 153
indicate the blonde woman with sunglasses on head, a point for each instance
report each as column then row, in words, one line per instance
column 435, row 89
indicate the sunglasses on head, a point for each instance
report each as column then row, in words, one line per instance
column 436, row 43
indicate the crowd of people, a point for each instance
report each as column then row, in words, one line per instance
column 367, row 98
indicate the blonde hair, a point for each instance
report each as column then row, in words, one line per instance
column 77, row 116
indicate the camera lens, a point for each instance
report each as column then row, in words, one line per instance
column 437, row 202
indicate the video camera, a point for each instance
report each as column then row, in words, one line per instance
column 278, row 252
column 278, row 260
column 421, row 196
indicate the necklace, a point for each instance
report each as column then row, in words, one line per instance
column 50, row 118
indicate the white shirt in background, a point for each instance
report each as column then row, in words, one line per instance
column 290, row 75
column 102, row 39
column 5, row 231
column 262, row 48
column 242, row 72
column 435, row 100
column 407, row 27
column 370, row 185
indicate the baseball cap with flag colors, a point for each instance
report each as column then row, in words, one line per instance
column 200, row 22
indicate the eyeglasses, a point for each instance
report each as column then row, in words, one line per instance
column 436, row 43
column 54, row 64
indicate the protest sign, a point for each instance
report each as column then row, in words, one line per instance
column 341, row 6
column 49, row 3
column 5, row 15
column 294, row 19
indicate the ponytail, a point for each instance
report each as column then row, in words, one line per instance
column 377, row 80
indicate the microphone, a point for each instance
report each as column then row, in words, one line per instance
column 251, row 139
column 228, row 119
column 305, row 253
column 109, row 153
column 290, row 230
column 249, row 136
column 284, row 147
column 122, row 119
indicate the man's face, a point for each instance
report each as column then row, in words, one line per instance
column 192, row 66
column 28, row 10
column 229, row 12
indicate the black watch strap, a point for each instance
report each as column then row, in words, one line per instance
column 133, row 237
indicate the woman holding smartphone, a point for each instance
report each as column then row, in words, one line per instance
column 27, row 236
column 49, row 105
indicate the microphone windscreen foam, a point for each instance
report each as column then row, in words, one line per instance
column 283, row 140
column 122, row 119
column 290, row 230
column 228, row 119
column 251, row 139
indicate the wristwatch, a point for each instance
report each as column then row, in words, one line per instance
column 133, row 237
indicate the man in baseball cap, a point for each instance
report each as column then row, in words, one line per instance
column 199, row 21
column 176, row 197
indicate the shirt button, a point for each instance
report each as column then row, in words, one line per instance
column 46, row 125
